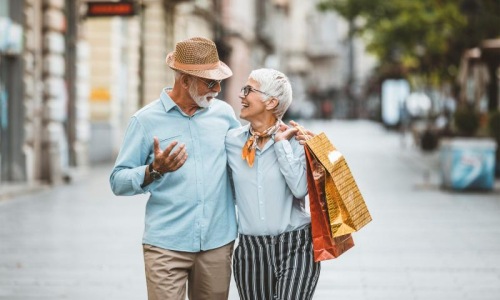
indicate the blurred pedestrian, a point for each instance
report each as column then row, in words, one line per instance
column 274, row 257
column 174, row 149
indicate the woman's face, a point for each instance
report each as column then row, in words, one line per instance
column 252, row 104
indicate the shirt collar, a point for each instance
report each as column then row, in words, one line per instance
column 169, row 104
column 246, row 130
column 245, row 134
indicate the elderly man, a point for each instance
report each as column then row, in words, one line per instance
column 174, row 149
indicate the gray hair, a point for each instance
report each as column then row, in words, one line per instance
column 276, row 85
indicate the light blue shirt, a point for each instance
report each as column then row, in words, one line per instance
column 270, row 195
column 192, row 208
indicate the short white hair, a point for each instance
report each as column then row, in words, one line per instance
column 276, row 85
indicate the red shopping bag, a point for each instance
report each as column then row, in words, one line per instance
column 324, row 244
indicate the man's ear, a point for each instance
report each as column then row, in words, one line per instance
column 185, row 81
column 272, row 103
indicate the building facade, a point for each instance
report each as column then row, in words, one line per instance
column 70, row 82
column 44, row 130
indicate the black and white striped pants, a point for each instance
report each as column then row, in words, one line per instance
column 276, row 267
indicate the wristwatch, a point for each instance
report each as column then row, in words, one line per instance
column 155, row 175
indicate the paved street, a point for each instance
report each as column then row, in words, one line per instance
column 81, row 242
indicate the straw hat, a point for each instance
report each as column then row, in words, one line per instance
column 198, row 56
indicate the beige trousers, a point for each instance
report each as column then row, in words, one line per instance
column 208, row 273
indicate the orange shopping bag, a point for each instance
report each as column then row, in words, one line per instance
column 347, row 210
column 325, row 246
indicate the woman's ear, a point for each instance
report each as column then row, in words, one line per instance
column 272, row 103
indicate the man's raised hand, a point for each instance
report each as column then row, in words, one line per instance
column 167, row 161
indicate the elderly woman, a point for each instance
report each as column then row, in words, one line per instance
column 274, row 257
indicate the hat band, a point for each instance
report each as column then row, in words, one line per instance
column 194, row 67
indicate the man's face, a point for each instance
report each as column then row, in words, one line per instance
column 201, row 93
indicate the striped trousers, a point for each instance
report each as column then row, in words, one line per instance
column 276, row 267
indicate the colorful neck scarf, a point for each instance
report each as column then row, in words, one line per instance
column 248, row 151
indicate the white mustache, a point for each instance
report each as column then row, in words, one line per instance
column 213, row 95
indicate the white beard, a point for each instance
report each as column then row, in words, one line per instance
column 201, row 101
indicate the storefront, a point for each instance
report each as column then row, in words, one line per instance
column 12, row 162
column 43, row 99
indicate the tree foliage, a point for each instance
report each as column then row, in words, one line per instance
column 423, row 37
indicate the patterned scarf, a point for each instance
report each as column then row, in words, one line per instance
column 248, row 151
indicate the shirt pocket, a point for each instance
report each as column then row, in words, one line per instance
column 164, row 142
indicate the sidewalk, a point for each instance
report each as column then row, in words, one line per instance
column 79, row 241
column 10, row 190
column 74, row 241
column 424, row 242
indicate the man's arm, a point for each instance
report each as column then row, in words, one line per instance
column 127, row 175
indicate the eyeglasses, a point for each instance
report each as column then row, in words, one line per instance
column 247, row 89
column 210, row 84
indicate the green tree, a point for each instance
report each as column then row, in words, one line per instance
column 425, row 38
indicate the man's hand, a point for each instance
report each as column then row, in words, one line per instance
column 167, row 161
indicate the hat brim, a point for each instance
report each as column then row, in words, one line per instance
column 221, row 72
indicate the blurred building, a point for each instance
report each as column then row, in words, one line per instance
column 43, row 111
column 12, row 161
column 69, row 80
column 127, row 59
column 114, row 44
column 312, row 47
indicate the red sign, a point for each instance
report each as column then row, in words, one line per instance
column 109, row 9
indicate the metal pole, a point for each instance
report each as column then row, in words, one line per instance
column 142, row 24
column 72, row 17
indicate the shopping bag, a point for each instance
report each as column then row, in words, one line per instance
column 325, row 246
column 346, row 207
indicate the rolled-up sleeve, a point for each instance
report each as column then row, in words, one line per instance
column 291, row 159
column 128, row 173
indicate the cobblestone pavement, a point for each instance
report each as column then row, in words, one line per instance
column 79, row 241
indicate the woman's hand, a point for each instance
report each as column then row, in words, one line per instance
column 302, row 134
column 285, row 133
